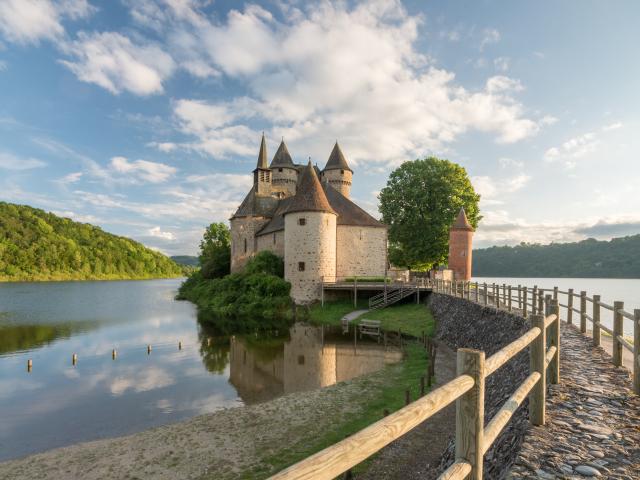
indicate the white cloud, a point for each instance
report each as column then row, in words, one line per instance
column 166, row 147
column 505, row 162
column 573, row 149
column 502, row 63
column 489, row 36
column 71, row 178
column 492, row 190
column 334, row 72
column 112, row 61
column 612, row 126
column 9, row 161
column 142, row 170
column 158, row 233
column 29, row 21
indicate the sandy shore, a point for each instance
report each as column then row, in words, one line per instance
column 233, row 443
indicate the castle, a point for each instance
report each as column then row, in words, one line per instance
column 305, row 216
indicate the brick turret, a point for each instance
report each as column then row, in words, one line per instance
column 460, row 247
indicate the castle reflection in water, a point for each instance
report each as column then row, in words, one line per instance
column 311, row 358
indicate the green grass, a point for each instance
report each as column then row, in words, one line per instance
column 412, row 319
column 332, row 312
column 405, row 376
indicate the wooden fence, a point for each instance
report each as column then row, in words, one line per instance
column 529, row 301
column 472, row 438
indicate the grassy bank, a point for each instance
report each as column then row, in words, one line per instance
column 81, row 277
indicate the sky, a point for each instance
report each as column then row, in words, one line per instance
column 144, row 116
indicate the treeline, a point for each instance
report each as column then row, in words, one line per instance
column 617, row 258
column 36, row 245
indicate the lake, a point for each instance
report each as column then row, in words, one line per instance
column 187, row 372
column 609, row 289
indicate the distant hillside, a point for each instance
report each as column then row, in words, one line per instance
column 36, row 245
column 187, row 260
column 617, row 258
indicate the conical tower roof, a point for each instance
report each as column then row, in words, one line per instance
column 337, row 160
column 462, row 223
column 282, row 157
column 310, row 196
column 262, row 155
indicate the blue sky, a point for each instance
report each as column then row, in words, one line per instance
column 144, row 116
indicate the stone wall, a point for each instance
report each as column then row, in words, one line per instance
column 463, row 324
column 314, row 244
column 284, row 180
column 339, row 179
column 460, row 251
column 243, row 229
column 361, row 251
column 273, row 242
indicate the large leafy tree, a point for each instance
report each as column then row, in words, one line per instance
column 419, row 204
column 215, row 251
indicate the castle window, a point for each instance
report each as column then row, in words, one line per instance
column 302, row 221
column 245, row 245
column 301, row 266
column 464, row 254
column 280, row 170
column 300, row 359
column 341, row 172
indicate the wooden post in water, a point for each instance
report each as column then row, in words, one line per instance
column 570, row 306
column 74, row 359
column 470, row 412
column 537, row 352
column 618, row 331
column 554, row 341
column 29, row 365
column 636, row 351
column 148, row 349
column 583, row 311
column 114, row 354
column 596, row 320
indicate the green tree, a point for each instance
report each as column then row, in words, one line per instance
column 215, row 251
column 419, row 204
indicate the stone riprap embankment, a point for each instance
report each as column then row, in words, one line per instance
column 464, row 324
column 593, row 420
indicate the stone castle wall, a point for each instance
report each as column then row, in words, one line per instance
column 314, row 244
column 244, row 229
column 340, row 180
column 285, row 180
column 273, row 242
column 460, row 244
column 361, row 251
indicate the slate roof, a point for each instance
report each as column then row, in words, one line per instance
column 254, row 205
column 262, row 155
column 462, row 223
column 282, row 158
column 310, row 196
column 337, row 160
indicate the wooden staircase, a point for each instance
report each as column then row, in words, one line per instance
column 392, row 295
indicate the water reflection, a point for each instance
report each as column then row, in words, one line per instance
column 18, row 338
column 308, row 359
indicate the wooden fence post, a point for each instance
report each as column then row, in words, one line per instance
column 496, row 295
column 596, row 320
column 570, row 306
column 486, row 294
column 519, row 297
column 509, row 298
column 534, row 299
column 470, row 412
column 636, row 351
column 537, row 352
column 618, row 321
column 583, row 311
column 554, row 341
column 524, row 302
column 555, row 293
column 541, row 301
column 477, row 293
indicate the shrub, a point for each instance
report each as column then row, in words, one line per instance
column 266, row 262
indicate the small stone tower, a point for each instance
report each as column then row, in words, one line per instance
column 460, row 246
column 337, row 172
column 262, row 173
column 284, row 172
column 309, row 239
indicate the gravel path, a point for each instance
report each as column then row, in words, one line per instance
column 593, row 420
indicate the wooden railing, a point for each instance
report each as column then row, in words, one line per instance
column 586, row 309
column 473, row 439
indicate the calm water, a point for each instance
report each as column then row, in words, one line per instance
column 609, row 289
column 58, row 404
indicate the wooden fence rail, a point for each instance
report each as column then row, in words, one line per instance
column 473, row 439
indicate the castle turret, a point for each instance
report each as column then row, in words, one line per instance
column 284, row 172
column 262, row 172
column 460, row 247
column 309, row 239
column 337, row 172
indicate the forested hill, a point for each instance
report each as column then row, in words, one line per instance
column 36, row 245
column 617, row 258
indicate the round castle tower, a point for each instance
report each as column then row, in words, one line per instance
column 460, row 247
column 309, row 239
column 284, row 173
column 337, row 172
